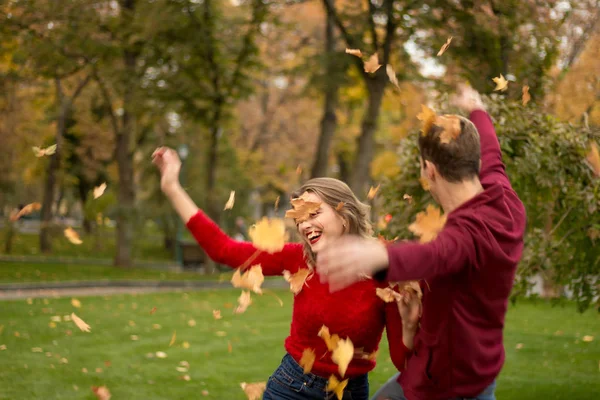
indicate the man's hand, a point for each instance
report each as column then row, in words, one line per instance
column 467, row 99
column 350, row 259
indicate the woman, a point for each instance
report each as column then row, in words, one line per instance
column 356, row 312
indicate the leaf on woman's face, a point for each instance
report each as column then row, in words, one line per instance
column 302, row 209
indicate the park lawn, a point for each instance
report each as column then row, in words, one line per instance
column 22, row 272
column 550, row 364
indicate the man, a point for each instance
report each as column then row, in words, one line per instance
column 468, row 268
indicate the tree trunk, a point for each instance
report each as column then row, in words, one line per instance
column 344, row 174
column 329, row 120
column 366, row 141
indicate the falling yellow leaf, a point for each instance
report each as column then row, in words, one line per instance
column 73, row 236
column 186, row 345
column 337, row 387
column 445, row 47
column 343, row 354
column 299, row 170
column 340, row 205
column 75, row 303
column 80, row 323
column 372, row 64
column 268, row 234
column 302, row 209
column 392, row 75
column 330, row 340
column 354, row 52
column 48, row 151
column 425, row 183
column 254, row 391
column 428, row 224
column 501, row 83
column 307, row 360
column 277, row 203
column 526, row 96
column 450, row 125
column 297, row 280
column 388, row 294
column 99, row 190
column 230, row 201
column 217, row 314
column 28, row 209
column 408, row 198
column 244, row 301
column 373, row 192
column 252, row 279
column 593, row 158
column 427, row 117
column 101, row 392
column 587, row 338
column 173, row 338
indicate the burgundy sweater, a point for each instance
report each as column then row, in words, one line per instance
column 355, row 312
column 469, row 271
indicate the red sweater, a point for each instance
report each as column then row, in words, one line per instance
column 470, row 269
column 355, row 312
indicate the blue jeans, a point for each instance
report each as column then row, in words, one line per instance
column 392, row 390
column 289, row 382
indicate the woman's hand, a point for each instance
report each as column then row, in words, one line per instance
column 169, row 165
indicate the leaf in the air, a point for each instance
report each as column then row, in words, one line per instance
column 230, row 201
column 330, row 340
column 501, row 83
column 593, row 158
column 388, row 294
column 337, row 387
column 445, row 47
column 173, row 338
column 48, row 151
column 80, row 323
column 99, row 190
column 427, row 117
column 254, row 391
column 28, row 209
column 307, row 360
column 75, row 303
column 101, row 392
column 298, row 279
column 354, row 52
column 425, row 183
column 302, row 209
column 243, row 302
column 408, row 198
column 252, row 279
column 392, row 75
column 372, row 64
column 373, row 192
column 450, row 125
column 526, row 96
column 72, row 235
column 428, row 224
column 268, row 234
column 217, row 314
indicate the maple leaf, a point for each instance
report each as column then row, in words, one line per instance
column 425, row 183
column 373, row 192
column 28, row 209
column 268, row 234
column 445, row 47
column 101, row 392
column 80, row 323
column 217, row 314
column 593, row 158
column 252, row 279
column 307, row 360
column 372, row 64
column 340, row 205
column 389, row 70
column 230, row 201
column 173, row 338
column 48, row 151
column 388, row 295
column 297, row 280
column 428, row 224
column 330, row 341
column 354, row 52
column 337, row 387
column 99, row 190
column 450, row 125
column 427, row 117
column 244, row 301
column 75, row 303
column 501, row 83
column 254, row 391
column 302, row 209
column 343, row 354
column 72, row 235
column 408, row 198
column 526, row 96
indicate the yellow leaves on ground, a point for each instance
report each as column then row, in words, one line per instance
column 75, row 303
column 302, row 209
column 297, row 280
column 526, row 96
column 217, row 314
column 445, row 47
column 268, row 234
column 428, row 224
column 343, row 354
column 593, row 158
column 72, row 236
column 308, row 359
column 501, row 83
column 244, row 302
column 28, row 209
column 80, row 323
column 337, row 387
column 587, row 338
column 101, row 392
column 254, row 391
column 48, row 151
column 388, row 294
column 252, row 279
column 99, row 190
column 230, row 201
column 427, row 117
column 373, row 192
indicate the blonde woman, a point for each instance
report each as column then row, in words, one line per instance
column 356, row 312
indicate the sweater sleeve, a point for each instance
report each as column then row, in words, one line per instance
column 492, row 168
column 225, row 250
column 393, row 326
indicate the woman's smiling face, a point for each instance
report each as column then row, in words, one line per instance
column 322, row 226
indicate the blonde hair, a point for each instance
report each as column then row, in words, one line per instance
column 331, row 192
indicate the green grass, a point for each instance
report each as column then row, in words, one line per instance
column 550, row 365
column 12, row 272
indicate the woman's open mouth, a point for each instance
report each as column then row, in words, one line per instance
column 313, row 237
